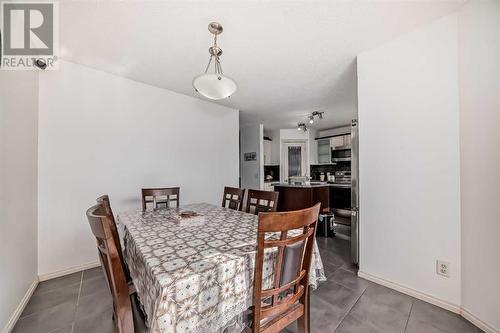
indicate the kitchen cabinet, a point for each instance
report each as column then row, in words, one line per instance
column 299, row 197
column 341, row 141
column 324, row 151
column 337, row 141
column 267, row 152
column 347, row 140
column 326, row 145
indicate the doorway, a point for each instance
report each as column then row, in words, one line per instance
column 294, row 155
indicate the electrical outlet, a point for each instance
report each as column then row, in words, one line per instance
column 443, row 268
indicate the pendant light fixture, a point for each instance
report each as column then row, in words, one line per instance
column 214, row 85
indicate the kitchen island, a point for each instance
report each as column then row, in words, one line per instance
column 294, row 197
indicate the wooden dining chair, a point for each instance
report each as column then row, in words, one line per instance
column 127, row 313
column 160, row 196
column 288, row 298
column 261, row 201
column 233, row 198
column 104, row 201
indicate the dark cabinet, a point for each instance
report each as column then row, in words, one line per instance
column 300, row 197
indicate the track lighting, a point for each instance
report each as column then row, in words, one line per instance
column 317, row 113
column 310, row 117
column 301, row 127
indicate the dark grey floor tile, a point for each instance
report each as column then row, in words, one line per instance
column 92, row 273
column 320, row 316
column 99, row 323
column 397, row 301
column 335, row 245
column 350, row 280
column 352, row 325
column 67, row 329
column 93, row 305
column 329, row 268
column 336, row 294
column 333, row 258
column 339, row 300
column 379, row 316
column 340, row 260
column 60, row 282
column 426, row 317
column 348, row 266
column 43, row 301
column 95, row 285
column 47, row 320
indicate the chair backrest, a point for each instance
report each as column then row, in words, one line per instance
column 261, row 201
column 233, row 198
column 103, row 200
column 108, row 251
column 160, row 196
column 284, row 302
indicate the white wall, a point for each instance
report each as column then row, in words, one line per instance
column 479, row 56
column 252, row 172
column 18, row 188
column 274, row 135
column 313, row 147
column 409, row 160
column 100, row 133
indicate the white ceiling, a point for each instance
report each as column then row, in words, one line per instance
column 288, row 58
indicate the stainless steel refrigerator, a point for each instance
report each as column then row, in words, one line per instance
column 354, row 191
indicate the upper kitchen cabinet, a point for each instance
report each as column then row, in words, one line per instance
column 341, row 141
column 326, row 145
column 324, row 151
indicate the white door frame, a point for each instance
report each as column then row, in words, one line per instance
column 284, row 157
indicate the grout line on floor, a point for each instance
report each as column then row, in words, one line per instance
column 408, row 319
column 349, row 311
column 77, row 302
column 79, row 290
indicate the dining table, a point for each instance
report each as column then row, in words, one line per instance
column 195, row 275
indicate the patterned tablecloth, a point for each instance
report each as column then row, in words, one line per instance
column 196, row 277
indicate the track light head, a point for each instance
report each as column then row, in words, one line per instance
column 317, row 113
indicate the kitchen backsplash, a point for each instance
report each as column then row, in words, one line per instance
column 317, row 169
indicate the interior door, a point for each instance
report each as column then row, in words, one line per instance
column 295, row 160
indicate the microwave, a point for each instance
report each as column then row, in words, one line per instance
column 341, row 154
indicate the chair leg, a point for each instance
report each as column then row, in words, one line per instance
column 303, row 323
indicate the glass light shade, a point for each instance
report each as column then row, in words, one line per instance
column 214, row 86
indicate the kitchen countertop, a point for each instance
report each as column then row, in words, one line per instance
column 315, row 184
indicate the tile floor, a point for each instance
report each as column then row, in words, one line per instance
column 80, row 303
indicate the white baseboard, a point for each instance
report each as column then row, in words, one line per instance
column 62, row 272
column 430, row 299
column 478, row 322
column 412, row 292
column 20, row 308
